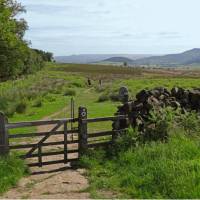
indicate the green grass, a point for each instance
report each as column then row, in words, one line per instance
column 149, row 169
column 50, row 90
column 155, row 170
column 11, row 170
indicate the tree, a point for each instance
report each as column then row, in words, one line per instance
column 16, row 57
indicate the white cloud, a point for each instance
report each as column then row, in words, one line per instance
column 125, row 26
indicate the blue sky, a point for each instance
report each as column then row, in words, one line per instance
column 67, row 27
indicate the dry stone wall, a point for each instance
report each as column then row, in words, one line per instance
column 139, row 109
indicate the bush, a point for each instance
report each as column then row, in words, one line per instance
column 114, row 97
column 126, row 141
column 10, row 110
column 77, row 83
column 70, row 92
column 190, row 122
column 37, row 103
column 21, row 107
column 103, row 98
column 159, row 124
column 11, row 170
column 50, row 98
column 3, row 103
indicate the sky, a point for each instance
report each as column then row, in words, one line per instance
column 67, row 27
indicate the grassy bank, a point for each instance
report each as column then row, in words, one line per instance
column 11, row 170
column 155, row 170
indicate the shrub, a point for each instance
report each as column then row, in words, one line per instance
column 21, row 107
column 3, row 103
column 103, row 98
column 50, row 98
column 158, row 124
column 70, row 92
column 190, row 122
column 126, row 141
column 77, row 83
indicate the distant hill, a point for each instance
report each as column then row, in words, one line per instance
column 185, row 58
column 93, row 58
column 118, row 59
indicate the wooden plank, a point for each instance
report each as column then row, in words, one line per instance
column 40, row 155
column 65, row 142
column 27, row 146
column 51, row 162
column 100, row 144
column 99, row 134
column 103, row 119
column 27, row 135
column 38, row 123
column 73, row 142
column 44, row 154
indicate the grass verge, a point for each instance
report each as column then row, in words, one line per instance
column 156, row 170
column 11, row 170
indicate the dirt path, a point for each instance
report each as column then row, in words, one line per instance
column 58, row 181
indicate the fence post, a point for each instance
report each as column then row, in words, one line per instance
column 4, row 142
column 82, row 126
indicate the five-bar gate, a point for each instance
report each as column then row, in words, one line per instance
column 61, row 142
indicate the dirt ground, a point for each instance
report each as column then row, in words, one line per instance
column 57, row 181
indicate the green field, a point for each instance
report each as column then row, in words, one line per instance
column 50, row 90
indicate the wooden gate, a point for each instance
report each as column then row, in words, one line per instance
column 72, row 142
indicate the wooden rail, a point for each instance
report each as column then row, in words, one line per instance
column 104, row 119
column 27, row 135
column 38, row 123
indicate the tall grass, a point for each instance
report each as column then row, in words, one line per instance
column 11, row 170
column 150, row 169
column 155, row 170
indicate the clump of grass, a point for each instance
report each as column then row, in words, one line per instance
column 11, row 170
column 50, row 98
column 10, row 110
column 37, row 103
column 70, row 92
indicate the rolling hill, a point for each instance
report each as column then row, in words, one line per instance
column 118, row 59
column 185, row 58
column 94, row 58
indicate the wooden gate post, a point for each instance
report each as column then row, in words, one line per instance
column 4, row 141
column 83, row 135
